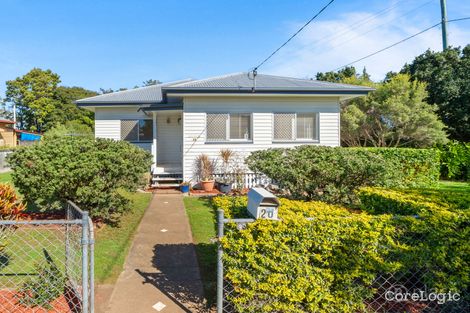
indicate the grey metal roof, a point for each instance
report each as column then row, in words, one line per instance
column 232, row 83
column 263, row 82
column 142, row 95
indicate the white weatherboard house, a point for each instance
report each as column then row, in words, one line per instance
column 177, row 121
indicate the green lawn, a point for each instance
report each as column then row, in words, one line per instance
column 453, row 186
column 203, row 225
column 5, row 177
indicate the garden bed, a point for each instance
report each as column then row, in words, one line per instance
column 9, row 303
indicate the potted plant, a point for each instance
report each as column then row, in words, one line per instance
column 205, row 169
column 185, row 186
column 225, row 183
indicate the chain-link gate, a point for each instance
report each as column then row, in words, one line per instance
column 47, row 265
column 393, row 292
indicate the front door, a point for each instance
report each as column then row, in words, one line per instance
column 169, row 138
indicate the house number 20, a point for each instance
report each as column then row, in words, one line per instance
column 267, row 213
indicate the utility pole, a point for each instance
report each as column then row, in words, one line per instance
column 444, row 24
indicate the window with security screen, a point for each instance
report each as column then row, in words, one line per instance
column 137, row 130
column 228, row 127
column 295, row 126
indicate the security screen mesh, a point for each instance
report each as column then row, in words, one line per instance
column 216, row 124
column 283, row 126
column 130, row 130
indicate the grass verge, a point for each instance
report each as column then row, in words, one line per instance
column 113, row 243
column 203, row 226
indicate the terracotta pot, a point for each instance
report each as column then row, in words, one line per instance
column 208, row 185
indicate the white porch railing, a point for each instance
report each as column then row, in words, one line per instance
column 246, row 180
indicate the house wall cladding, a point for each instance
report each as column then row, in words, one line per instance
column 262, row 109
column 108, row 122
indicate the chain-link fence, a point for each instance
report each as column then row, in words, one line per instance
column 429, row 283
column 47, row 265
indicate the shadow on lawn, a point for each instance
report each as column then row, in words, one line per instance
column 177, row 275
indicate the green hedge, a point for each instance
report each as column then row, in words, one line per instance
column 331, row 264
column 89, row 172
column 333, row 174
column 406, row 167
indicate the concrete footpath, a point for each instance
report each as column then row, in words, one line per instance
column 161, row 273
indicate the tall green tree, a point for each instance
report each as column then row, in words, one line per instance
column 447, row 75
column 42, row 104
column 339, row 76
column 34, row 96
column 395, row 115
column 68, row 110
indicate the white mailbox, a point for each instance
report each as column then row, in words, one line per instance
column 262, row 204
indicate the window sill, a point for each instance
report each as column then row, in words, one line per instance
column 148, row 141
column 297, row 141
column 228, row 142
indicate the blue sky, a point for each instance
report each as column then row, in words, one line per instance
column 111, row 44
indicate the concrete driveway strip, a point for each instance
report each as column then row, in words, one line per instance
column 161, row 272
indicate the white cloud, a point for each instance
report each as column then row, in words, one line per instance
column 329, row 44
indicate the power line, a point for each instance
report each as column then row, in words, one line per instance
column 401, row 41
column 295, row 34
column 380, row 25
column 357, row 24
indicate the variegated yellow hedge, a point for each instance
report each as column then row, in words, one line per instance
column 329, row 264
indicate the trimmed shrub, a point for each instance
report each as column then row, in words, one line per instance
column 295, row 265
column 319, row 173
column 86, row 171
column 333, row 174
column 455, row 160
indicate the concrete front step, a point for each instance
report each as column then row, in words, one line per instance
column 166, row 185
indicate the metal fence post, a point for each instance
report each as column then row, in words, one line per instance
column 220, row 267
column 92, row 266
column 85, row 242
column 67, row 240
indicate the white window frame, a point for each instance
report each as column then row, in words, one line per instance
column 294, row 129
column 227, row 129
